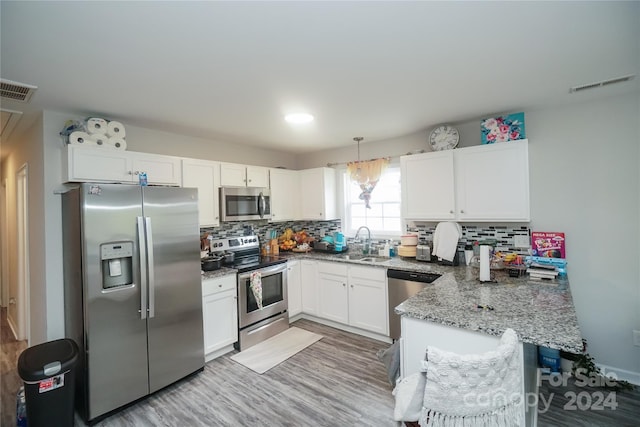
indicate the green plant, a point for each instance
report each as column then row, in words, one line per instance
column 584, row 366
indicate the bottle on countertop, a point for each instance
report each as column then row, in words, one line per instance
column 387, row 249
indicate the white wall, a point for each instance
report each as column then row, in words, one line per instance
column 584, row 181
column 152, row 141
column 584, row 161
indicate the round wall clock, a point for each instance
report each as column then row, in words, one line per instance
column 444, row 137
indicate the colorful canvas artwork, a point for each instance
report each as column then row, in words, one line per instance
column 548, row 245
column 503, row 128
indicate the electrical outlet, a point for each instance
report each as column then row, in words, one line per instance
column 322, row 232
column 636, row 338
column 521, row 241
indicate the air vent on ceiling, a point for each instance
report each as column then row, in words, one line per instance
column 16, row 91
column 602, row 83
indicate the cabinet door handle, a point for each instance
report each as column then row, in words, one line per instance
column 352, row 286
column 130, row 172
column 461, row 211
column 344, row 284
column 451, row 212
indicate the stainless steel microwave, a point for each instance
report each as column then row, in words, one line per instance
column 245, row 203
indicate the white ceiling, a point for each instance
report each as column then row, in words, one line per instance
column 230, row 70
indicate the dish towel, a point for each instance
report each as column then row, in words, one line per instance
column 256, row 287
column 445, row 240
column 475, row 389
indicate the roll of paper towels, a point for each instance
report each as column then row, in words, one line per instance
column 485, row 269
column 96, row 125
column 81, row 138
column 117, row 143
column 115, row 129
column 101, row 140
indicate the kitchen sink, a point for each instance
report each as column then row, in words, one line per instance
column 366, row 258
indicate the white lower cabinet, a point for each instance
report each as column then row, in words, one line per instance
column 333, row 292
column 294, row 288
column 220, row 314
column 309, row 286
column 353, row 295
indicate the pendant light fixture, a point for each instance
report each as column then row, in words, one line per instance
column 357, row 139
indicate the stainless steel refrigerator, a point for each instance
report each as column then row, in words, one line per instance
column 133, row 298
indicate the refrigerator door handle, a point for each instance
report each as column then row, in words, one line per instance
column 142, row 250
column 150, row 268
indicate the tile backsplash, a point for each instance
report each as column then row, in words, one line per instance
column 503, row 234
column 260, row 228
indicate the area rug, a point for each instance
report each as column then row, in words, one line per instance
column 264, row 356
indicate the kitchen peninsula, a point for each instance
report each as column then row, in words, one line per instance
column 459, row 313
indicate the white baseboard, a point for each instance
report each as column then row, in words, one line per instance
column 621, row 374
column 12, row 326
column 215, row 354
column 347, row 328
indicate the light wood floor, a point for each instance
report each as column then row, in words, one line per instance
column 337, row 381
column 9, row 379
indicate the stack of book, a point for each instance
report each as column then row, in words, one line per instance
column 542, row 271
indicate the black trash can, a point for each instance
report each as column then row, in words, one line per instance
column 48, row 372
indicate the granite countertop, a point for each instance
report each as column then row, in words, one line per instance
column 221, row 272
column 542, row 313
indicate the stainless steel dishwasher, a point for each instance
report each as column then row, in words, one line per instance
column 402, row 286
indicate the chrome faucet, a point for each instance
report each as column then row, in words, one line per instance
column 367, row 243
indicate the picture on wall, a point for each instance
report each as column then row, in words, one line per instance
column 503, row 128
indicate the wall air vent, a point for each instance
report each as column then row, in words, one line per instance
column 16, row 91
column 601, row 84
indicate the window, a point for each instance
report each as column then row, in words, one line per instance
column 383, row 219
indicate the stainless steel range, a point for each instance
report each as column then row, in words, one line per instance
column 256, row 324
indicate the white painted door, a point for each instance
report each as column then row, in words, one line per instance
column 428, row 186
column 205, row 176
column 318, row 194
column 220, row 313
column 98, row 164
column 285, row 195
column 233, row 175
column 492, row 182
column 368, row 308
column 309, row 286
column 257, row 176
column 294, row 288
column 159, row 169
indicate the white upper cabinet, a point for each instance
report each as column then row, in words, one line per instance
column 205, row 176
column 285, row 194
column 319, row 189
column 235, row 175
column 492, row 182
column 481, row 183
column 109, row 165
column 428, row 185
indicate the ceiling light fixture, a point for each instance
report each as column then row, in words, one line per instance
column 298, row 118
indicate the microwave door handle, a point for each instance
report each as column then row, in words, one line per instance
column 262, row 205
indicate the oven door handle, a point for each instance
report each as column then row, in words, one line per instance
column 267, row 271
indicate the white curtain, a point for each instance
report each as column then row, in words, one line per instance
column 367, row 174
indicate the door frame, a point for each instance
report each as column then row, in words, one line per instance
column 22, row 222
